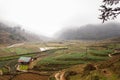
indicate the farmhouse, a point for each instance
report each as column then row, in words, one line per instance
column 23, row 64
column 24, row 60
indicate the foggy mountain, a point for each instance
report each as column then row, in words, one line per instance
column 15, row 34
column 91, row 32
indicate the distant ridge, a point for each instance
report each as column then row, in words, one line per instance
column 16, row 34
column 91, row 32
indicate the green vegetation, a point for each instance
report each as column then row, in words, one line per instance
column 15, row 57
column 4, row 70
column 66, row 58
column 18, row 50
column 100, row 52
column 23, row 67
column 94, row 75
column 24, row 48
column 76, row 53
column 79, row 57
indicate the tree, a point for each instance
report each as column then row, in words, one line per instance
column 109, row 10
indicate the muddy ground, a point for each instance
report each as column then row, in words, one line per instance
column 24, row 76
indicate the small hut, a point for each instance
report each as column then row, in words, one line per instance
column 24, row 60
column 23, row 64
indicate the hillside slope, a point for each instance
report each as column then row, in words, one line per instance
column 105, row 70
column 91, row 32
column 15, row 34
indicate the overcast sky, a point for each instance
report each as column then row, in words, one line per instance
column 49, row 16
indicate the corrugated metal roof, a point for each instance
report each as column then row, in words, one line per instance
column 24, row 59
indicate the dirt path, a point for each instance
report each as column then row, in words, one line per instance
column 15, row 45
column 33, row 63
column 38, row 58
column 57, row 76
column 60, row 76
column 30, row 76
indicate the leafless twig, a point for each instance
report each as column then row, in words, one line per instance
column 107, row 10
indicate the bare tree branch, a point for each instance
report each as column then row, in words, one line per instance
column 107, row 10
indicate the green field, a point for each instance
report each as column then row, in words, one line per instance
column 76, row 53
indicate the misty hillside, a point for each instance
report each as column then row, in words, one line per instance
column 15, row 34
column 91, row 32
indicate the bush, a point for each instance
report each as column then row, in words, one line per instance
column 89, row 67
column 96, row 78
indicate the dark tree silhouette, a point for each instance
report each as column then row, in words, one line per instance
column 109, row 10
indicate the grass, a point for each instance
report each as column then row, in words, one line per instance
column 18, row 50
column 57, row 62
column 12, row 60
column 23, row 67
column 76, row 77
column 75, row 54
column 66, row 60
column 15, row 57
column 100, row 52
column 61, row 59
column 94, row 75
column 70, row 58
column 4, row 70
column 57, row 59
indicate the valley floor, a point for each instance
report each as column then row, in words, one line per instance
column 72, row 60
